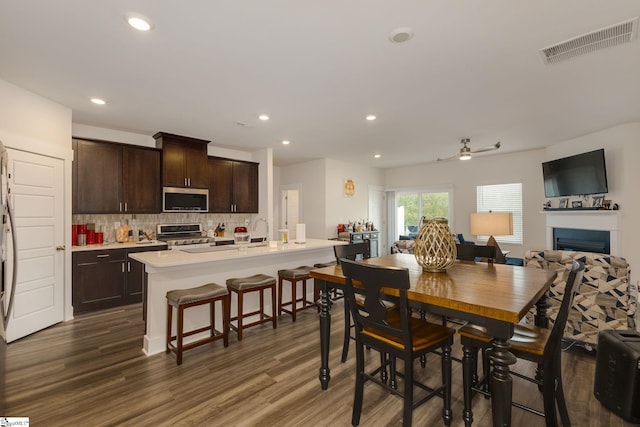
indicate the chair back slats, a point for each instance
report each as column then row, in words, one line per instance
column 573, row 281
column 467, row 252
column 353, row 251
column 368, row 281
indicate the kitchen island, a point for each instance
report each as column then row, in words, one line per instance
column 177, row 269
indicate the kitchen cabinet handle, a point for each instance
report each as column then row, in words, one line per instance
column 125, row 206
column 102, row 256
column 120, row 208
column 189, row 180
column 129, row 266
column 123, row 266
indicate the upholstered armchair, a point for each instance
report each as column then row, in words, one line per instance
column 605, row 299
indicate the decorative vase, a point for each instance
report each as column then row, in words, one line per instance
column 435, row 248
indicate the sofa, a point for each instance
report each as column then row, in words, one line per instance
column 403, row 246
column 605, row 299
column 406, row 246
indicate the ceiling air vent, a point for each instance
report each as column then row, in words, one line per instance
column 623, row 32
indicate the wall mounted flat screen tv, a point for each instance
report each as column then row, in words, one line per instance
column 577, row 175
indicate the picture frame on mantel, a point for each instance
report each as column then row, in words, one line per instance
column 576, row 204
column 563, row 204
column 597, row 201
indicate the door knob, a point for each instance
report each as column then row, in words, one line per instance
column 60, row 248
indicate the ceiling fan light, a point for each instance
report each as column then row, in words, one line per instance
column 465, row 156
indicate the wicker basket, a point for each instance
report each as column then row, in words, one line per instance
column 435, row 248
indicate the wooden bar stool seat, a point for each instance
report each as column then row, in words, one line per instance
column 185, row 298
column 295, row 275
column 255, row 283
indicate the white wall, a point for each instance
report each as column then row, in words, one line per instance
column 341, row 209
column 32, row 123
column 309, row 176
column 322, row 198
column 524, row 167
column 622, row 151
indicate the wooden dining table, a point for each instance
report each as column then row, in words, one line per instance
column 495, row 296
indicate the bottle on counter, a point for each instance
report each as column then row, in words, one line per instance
column 210, row 231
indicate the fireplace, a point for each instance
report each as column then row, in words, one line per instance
column 572, row 239
column 603, row 222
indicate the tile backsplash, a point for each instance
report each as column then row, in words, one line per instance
column 148, row 222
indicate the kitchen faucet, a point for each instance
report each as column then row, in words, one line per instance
column 255, row 225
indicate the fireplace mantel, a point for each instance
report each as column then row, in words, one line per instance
column 607, row 220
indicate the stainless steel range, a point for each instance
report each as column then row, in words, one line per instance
column 183, row 236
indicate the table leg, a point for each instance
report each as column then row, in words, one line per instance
column 325, row 330
column 467, row 376
column 501, row 382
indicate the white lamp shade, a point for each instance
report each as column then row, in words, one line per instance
column 491, row 223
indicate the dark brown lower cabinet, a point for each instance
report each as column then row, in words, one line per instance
column 107, row 278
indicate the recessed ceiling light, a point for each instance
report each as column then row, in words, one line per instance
column 285, row 142
column 263, row 117
column 371, row 117
column 401, row 34
column 377, row 156
column 139, row 22
column 98, row 101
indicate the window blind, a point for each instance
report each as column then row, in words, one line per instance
column 502, row 198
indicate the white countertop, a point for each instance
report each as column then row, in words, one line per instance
column 115, row 245
column 176, row 258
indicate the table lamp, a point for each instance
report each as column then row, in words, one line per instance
column 491, row 224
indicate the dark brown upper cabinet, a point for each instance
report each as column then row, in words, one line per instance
column 233, row 186
column 115, row 178
column 184, row 160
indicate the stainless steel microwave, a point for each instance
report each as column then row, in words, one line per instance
column 176, row 199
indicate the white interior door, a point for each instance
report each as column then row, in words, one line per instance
column 37, row 190
column 377, row 214
column 290, row 211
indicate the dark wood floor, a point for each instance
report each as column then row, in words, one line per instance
column 91, row 372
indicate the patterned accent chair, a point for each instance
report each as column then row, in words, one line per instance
column 605, row 299
column 403, row 246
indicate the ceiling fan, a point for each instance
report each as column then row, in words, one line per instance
column 465, row 151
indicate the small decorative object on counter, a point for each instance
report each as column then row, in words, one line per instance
column 122, row 233
column 82, row 234
column 74, row 234
column 285, row 235
column 241, row 236
column 210, row 230
column 435, row 248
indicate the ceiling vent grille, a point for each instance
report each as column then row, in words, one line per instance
column 614, row 35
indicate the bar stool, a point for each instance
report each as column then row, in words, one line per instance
column 295, row 275
column 185, row 298
column 255, row 283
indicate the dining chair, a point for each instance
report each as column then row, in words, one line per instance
column 469, row 252
column 354, row 251
column 396, row 333
column 531, row 343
